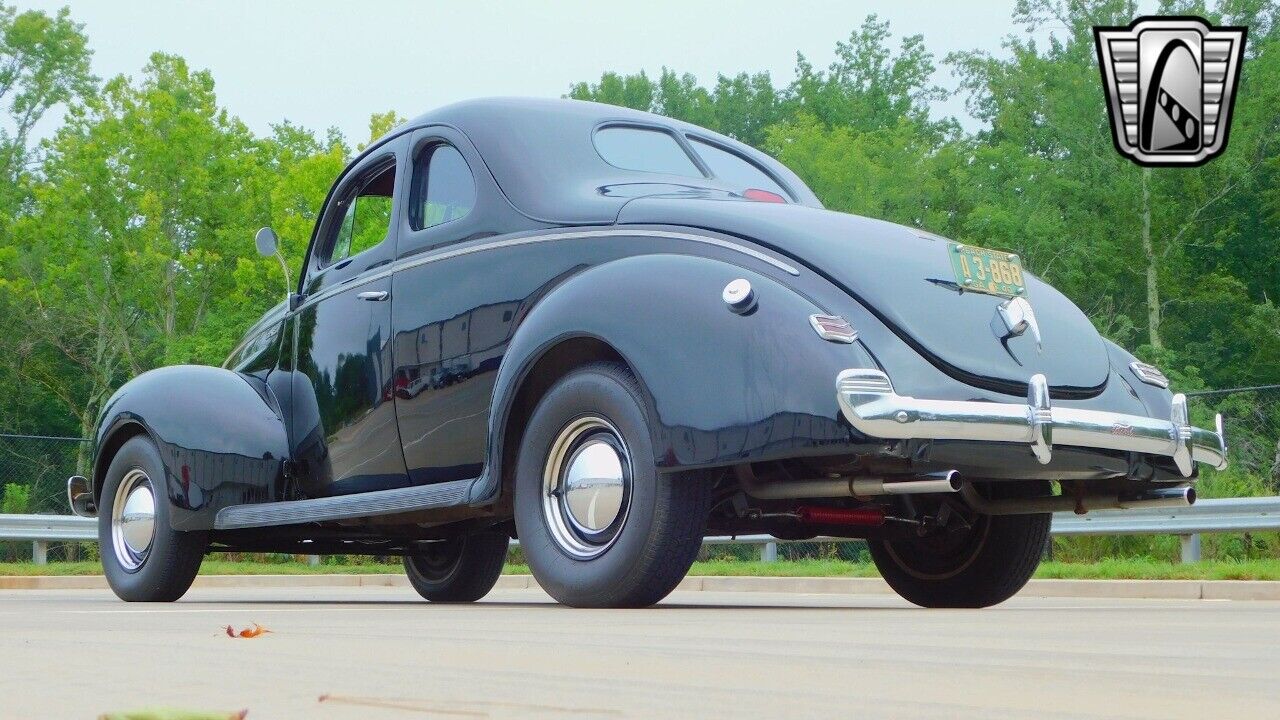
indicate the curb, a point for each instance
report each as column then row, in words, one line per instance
column 1120, row 589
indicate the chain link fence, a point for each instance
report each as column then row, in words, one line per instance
column 34, row 471
column 33, row 480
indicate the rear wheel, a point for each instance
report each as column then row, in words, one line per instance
column 599, row 525
column 461, row 569
column 143, row 557
column 982, row 565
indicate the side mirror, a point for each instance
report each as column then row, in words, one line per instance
column 267, row 242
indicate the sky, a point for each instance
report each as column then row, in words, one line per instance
column 329, row 64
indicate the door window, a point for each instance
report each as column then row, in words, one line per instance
column 443, row 188
column 366, row 216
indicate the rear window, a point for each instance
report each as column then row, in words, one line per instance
column 736, row 170
column 632, row 148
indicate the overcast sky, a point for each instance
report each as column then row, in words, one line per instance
column 323, row 64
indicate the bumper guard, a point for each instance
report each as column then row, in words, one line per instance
column 869, row 403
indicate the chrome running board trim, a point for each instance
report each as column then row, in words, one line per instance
column 868, row 401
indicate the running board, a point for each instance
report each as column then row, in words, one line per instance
column 344, row 507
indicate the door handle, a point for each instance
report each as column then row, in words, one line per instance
column 374, row 295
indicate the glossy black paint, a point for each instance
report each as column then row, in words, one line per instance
column 220, row 435
column 343, row 357
column 891, row 270
column 565, row 257
column 724, row 389
column 451, row 322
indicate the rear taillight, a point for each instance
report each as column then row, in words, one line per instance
column 763, row 196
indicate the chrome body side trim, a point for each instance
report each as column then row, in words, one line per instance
column 868, row 401
column 579, row 234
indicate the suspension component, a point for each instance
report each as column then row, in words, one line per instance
column 870, row 516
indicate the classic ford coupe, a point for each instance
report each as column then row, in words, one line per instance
column 609, row 334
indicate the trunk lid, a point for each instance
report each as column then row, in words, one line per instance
column 905, row 277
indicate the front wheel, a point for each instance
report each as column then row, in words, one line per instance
column 982, row 565
column 143, row 557
column 599, row 525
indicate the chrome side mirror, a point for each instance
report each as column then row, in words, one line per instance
column 269, row 244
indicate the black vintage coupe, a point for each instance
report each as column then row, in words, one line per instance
column 609, row 334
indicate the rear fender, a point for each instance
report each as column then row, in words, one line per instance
column 220, row 435
column 723, row 387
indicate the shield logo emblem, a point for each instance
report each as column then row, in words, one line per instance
column 1171, row 85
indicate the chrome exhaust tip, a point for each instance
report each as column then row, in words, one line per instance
column 947, row 481
column 1162, row 497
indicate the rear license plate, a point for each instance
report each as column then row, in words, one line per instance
column 987, row 271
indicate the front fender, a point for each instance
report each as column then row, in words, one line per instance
column 220, row 435
column 724, row 388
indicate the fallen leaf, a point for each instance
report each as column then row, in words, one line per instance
column 252, row 632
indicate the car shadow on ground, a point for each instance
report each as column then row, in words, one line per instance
column 531, row 604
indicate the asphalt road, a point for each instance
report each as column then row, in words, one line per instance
column 380, row 653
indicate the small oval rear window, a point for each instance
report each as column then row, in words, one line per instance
column 736, row 170
column 633, row 148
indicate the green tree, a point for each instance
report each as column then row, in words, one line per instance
column 44, row 62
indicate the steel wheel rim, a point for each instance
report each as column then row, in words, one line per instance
column 970, row 546
column 133, row 520
column 438, row 561
column 586, row 487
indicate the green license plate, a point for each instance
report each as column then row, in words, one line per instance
column 987, row 271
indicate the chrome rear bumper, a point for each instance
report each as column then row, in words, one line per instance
column 869, row 403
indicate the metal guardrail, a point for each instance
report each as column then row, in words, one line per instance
column 1257, row 514
column 42, row 529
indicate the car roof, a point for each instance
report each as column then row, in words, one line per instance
column 541, row 154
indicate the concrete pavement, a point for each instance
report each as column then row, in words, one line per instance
column 379, row 652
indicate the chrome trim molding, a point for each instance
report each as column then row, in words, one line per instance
column 1149, row 374
column 868, row 401
column 578, row 234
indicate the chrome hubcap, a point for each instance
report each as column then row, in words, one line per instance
column 587, row 487
column 133, row 520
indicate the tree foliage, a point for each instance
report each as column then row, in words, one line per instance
column 125, row 239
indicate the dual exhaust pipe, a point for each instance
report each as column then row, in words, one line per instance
column 950, row 481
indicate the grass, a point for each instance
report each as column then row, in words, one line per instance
column 1110, row 569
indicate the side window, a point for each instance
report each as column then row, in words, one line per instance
column 443, row 188
column 366, row 216
column 632, row 148
column 735, row 169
